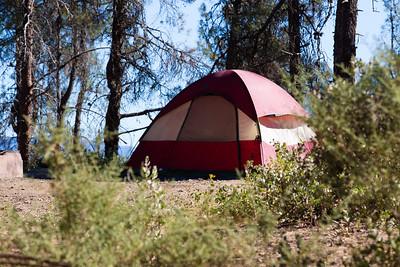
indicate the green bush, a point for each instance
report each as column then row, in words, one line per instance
column 383, row 249
column 238, row 205
column 302, row 254
column 193, row 241
column 292, row 186
column 357, row 126
column 97, row 222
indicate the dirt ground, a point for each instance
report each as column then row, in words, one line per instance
column 33, row 196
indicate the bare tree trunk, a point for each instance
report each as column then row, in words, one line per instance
column 233, row 39
column 294, row 37
column 114, row 73
column 345, row 39
column 78, row 110
column 84, row 72
column 67, row 94
column 24, row 74
column 83, row 89
column 392, row 25
column 58, row 26
column 63, row 98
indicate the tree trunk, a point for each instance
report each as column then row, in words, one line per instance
column 58, row 26
column 67, row 94
column 345, row 39
column 83, row 74
column 63, row 98
column 233, row 39
column 114, row 74
column 24, row 76
column 78, row 111
column 294, row 38
column 83, row 89
column 392, row 11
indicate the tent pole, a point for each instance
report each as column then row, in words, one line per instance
column 238, row 140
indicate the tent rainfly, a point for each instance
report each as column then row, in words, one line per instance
column 220, row 122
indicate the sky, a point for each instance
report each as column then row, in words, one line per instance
column 369, row 39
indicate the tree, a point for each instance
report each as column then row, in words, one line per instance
column 141, row 62
column 268, row 37
column 393, row 19
column 84, row 71
column 114, row 76
column 294, row 37
column 345, row 39
column 59, row 71
column 22, row 107
column 245, row 34
column 63, row 96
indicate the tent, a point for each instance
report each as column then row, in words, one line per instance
column 220, row 122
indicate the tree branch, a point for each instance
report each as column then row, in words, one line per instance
column 68, row 61
column 140, row 113
column 134, row 130
column 270, row 17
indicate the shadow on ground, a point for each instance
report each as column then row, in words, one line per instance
column 38, row 173
column 163, row 175
column 184, row 175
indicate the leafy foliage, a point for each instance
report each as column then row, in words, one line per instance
column 292, row 186
column 303, row 254
column 381, row 250
column 357, row 128
column 95, row 222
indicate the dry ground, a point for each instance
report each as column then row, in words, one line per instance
column 33, row 196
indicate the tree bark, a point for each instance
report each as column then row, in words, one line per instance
column 24, row 76
column 294, row 38
column 84, row 80
column 63, row 97
column 233, row 39
column 66, row 95
column 345, row 39
column 78, row 111
column 58, row 26
column 114, row 74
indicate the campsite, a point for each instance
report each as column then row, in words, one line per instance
column 199, row 133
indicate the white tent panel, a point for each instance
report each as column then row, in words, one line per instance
column 167, row 127
column 288, row 136
column 247, row 127
column 285, row 129
column 210, row 118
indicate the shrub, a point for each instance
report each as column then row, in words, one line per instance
column 383, row 249
column 302, row 254
column 357, row 127
column 238, row 205
column 292, row 186
column 96, row 222
column 191, row 241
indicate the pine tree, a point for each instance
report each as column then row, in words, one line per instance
column 345, row 39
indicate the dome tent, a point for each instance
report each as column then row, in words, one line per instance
column 220, row 122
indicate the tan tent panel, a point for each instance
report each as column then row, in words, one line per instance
column 168, row 126
column 210, row 118
column 247, row 127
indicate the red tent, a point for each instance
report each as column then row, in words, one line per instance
column 220, row 122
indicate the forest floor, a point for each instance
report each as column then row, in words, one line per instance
column 33, row 197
